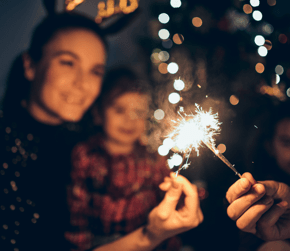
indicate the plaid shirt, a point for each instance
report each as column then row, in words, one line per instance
column 111, row 196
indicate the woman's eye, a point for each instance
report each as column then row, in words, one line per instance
column 98, row 73
column 67, row 62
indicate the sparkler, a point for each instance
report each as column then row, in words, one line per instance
column 191, row 131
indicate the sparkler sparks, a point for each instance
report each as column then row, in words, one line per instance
column 193, row 130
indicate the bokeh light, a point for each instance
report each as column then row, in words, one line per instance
column 282, row 38
column 162, row 68
column 267, row 29
column 255, row 3
column 163, row 34
column 260, row 68
column 247, row 9
column 167, row 44
column 172, row 68
column 234, row 100
column 279, row 69
column 174, row 98
column 163, row 55
column 176, row 159
column 168, row 142
column 163, row 18
column 197, row 22
column 277, row 79
column 175, row 3
column 288, row 92
column 159, row 114
column 257, row 15
column 271, row 2
column 178, row 85
column 259, row 40
column 221, row 148
column 262, row 50
column 268, row 44
column 178, row 38
column 163, row 150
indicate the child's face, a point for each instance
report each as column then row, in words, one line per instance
column 125, row 119
column 281, row 145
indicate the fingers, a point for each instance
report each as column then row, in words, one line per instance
column 241, row 204
column 166, row 184
column 247, row 222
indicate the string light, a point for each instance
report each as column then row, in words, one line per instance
column 277, row 79
column 255, row 3
column 178, row 85
column 175, row 3
column 162, row 68
column 172, row 68
column 197, row 22
column 167, row 44
column 260, row 68
column 259, row 40
column 174, row 98
column 163, row 150
column 163, row 34
column 178, row 38
column 257, row 15
column 267, row 29
column 279, row 69
column 221, row 148
column 288, row 92
column 163, row 18
column 247, row 9
column 282, row 38
column 163, row 55
column 262, row 50
column 159, row 114
column 271, row 2
column 234, row 100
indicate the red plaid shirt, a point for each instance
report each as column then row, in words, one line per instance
column 112, row 194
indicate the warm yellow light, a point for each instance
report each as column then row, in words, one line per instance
column 260, row 68
column 178, row 38
column 162, row 68
column 197, row 22
column 234, row 100
column 271, row 2
column 247, row 9
column 221, row 148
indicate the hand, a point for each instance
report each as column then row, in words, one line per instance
column 261, row 208
column 165, row 220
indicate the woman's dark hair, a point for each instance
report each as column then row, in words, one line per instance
column 116, row 83
column 18, row 87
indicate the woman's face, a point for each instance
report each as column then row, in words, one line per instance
column 125, row 119
column 68, row 78
column 281, row 145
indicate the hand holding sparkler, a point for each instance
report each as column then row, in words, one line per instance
column 191, row 131
column 252, row 207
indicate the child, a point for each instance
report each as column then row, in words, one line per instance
column 114, row 178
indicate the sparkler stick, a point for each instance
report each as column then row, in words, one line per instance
column 193, row 130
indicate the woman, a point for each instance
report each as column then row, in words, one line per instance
column 60, row 78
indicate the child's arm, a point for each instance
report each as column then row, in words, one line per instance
column 164, row 221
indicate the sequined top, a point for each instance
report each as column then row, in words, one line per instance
column 34, row 171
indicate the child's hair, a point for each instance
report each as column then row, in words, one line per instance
column 18, row 87
column 116, row 83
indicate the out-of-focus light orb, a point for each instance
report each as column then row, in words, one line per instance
column 268, row 44
column 277, row 79
column 163, row 18
column 247, row 9
column 162, row 68
column 282, row 38
column 262, row 50
column 163, row 34
column 167, row 44
column 259, row 40
column 257, row 15
column 260, row 68
column 172, row 68
column 221, row 148
column 288, row 92
column 168, row 142
column 174, row 98
column 175, row 3
column 268, row 29
column 163, row 150
column 178, row 38
column 159, row 114
column 279, row 69
column 255, row 3
column 163, row 56
column 197, row 22
column 271, row 2
column 234, row 100
column 176, row 159
column 178, row 85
